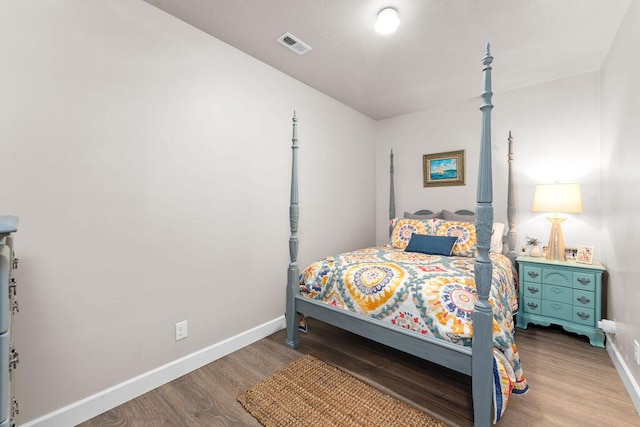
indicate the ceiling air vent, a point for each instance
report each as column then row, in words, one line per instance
column 293, row 43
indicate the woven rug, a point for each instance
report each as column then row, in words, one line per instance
column 309, row 392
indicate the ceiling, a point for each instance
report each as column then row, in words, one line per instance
column 433, row 57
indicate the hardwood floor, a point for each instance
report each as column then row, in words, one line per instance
column 571, row 383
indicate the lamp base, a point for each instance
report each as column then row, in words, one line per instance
column 555, row 250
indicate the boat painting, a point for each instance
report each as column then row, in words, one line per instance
column 444, row 169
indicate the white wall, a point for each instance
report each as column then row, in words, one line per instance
column 556, row 129
column 150, row 166
column 620, row 183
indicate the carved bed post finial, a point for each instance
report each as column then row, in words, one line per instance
column 392, row 194
column 293, row 273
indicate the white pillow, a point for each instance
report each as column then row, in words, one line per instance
column 496, row 237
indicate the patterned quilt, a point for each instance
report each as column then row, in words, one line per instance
column 428, row 294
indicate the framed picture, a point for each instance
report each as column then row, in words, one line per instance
column 570, row 253
column 441, row 169
column 585, row 254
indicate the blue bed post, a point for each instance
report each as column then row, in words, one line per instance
column 392, row 194
column 293, row 273
column 511, row 207
column 482, row 360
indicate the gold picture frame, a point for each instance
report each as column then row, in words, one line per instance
column 443, row 169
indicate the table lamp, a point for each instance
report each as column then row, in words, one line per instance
column 557, row 198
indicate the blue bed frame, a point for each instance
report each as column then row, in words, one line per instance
column 476, row 361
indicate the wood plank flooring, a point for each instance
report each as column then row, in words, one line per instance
column 571, row 383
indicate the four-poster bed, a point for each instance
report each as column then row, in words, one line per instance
column 393, row 294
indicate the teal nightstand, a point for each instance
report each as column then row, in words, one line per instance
column 563, row 293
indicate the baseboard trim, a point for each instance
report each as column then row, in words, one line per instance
column 623, row 370
column 92, row 406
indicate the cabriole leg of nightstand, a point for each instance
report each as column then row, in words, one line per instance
column 597, row 338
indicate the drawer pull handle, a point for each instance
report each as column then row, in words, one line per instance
column 532, row 305
column 582, row 315
column 584, row 280
column 532, row 274
column 583, row 300
column 15, row 409
column 533, row 290
column 14, row 358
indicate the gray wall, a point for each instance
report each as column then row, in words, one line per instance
column 621, row 183
column 150, row 166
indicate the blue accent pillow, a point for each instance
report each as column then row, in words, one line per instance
column 431, row 245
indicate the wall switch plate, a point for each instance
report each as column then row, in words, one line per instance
column 181, row 330
column 636, row 352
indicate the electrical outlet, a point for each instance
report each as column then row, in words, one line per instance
column 181, row 330
column 636, row 352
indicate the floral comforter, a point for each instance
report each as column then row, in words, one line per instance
column 428, row 294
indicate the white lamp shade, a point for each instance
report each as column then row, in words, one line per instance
column 557, row 198
column 387, row 21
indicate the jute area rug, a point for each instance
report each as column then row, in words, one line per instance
column 309, row 392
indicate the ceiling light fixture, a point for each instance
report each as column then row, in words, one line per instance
column 387, row 21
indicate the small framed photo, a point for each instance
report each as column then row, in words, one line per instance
column 570, row 254
column 585, row 254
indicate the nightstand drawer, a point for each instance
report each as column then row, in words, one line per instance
column 583, row 299
column 532, row 274
column 532, row 289
column 557, row 309
column 585, row 281
column 557, row 276
column 557, row 293
column 532, row 305
column 583, row 315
